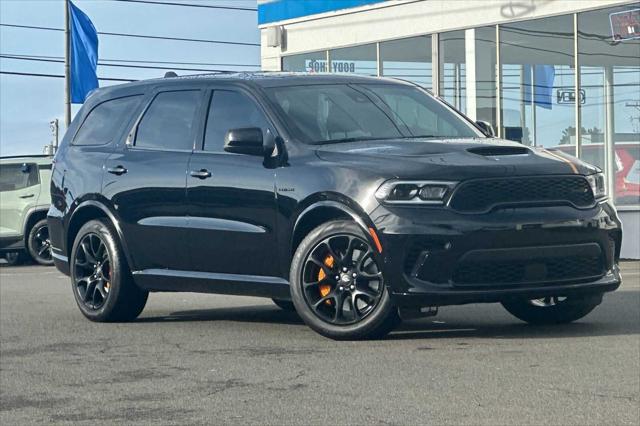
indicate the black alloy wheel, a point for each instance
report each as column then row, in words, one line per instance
column 14, row 258
column 92, row 272
column 39, row 243
column 342, row 282
column 337, row 284
column 101, row 280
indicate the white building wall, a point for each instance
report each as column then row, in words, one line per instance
column 399, row 19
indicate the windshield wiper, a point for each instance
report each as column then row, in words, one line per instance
column 420, row 136
column 352, row 139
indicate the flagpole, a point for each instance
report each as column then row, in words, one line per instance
column 67, row 68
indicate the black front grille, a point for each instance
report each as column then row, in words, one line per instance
column 483, row 195
column 528, row 271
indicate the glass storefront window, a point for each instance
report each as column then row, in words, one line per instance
column 538, row 82
column 306, row 62
column 408, row 59
column 453, row 69
column 610, row 109
column 354, row 60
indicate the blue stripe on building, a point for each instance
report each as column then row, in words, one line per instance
column 280, row 10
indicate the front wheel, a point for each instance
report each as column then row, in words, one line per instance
column 337, row 285
column 101, row 280
column 552, row 309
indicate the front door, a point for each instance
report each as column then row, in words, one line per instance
column 232, row 206
column 146, row 181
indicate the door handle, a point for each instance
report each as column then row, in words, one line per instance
column 28, row 196
column 118, row 170
column 201, row 174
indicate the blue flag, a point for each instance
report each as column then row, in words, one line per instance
column 84, row 55
column 542, row 86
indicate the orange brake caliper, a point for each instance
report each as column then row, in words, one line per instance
column 325, row 289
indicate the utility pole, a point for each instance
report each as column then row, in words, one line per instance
column 67, row 66
column 52, row 148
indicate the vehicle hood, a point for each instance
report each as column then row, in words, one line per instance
column 452, row 159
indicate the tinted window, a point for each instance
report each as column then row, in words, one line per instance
column 420, row 114
column 333, row 113
column 230, row 110
column 17, row 176
column 321, row 113
column 103, row 122
column 169, row 120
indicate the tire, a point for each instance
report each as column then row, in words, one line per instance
column 552, row 310
column 104, row 293
column 14, row 258
column 38, row 243
column 323, row 306
column 285, row 305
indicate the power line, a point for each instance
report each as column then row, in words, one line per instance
column 61, row 61
column 137, row 61
column 196, row 40
column 17, row 55
column 166, row 3
column 30, row 74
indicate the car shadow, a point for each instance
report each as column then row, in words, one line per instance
column 257, row 313
column 618, row 315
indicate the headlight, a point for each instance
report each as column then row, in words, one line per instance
column 414, row 192
column 598, row 187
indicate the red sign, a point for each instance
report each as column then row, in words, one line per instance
column 625, row 25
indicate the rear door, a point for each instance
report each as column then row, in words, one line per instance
column 232, row 206
column 146, row 180
column 19, row 191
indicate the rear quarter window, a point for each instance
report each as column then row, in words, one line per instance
column 18, row 176
column 103, row 122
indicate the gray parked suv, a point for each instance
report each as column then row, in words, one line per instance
column 24, row 201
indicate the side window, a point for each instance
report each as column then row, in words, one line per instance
column 103, row 122
column 230, row 110
column 18, row 176
column 169, row 121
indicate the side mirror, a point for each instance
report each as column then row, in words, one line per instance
column 486, row 128
column 247, row 141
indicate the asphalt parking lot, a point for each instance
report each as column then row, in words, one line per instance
column 193, row 359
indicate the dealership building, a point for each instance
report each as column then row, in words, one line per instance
column 561, row 74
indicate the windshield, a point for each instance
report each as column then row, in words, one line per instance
column 330, row 113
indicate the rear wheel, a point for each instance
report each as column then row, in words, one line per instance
column 552, row 309
column 101, row 280
column 14, row 258
column 39, row 244
column 337, row 285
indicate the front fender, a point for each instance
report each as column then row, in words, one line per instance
column 80, row 214
column 342, row 206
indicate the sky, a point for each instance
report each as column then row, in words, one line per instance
column 28, row 104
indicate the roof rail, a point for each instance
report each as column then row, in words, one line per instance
column 5, row 157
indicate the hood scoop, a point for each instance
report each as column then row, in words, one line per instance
column 494, row 151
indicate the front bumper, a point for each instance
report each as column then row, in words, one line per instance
column 439, row 257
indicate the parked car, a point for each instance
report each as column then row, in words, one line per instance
column 356, row 201
column 24, row 202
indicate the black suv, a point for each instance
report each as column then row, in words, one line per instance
column 355, row 201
